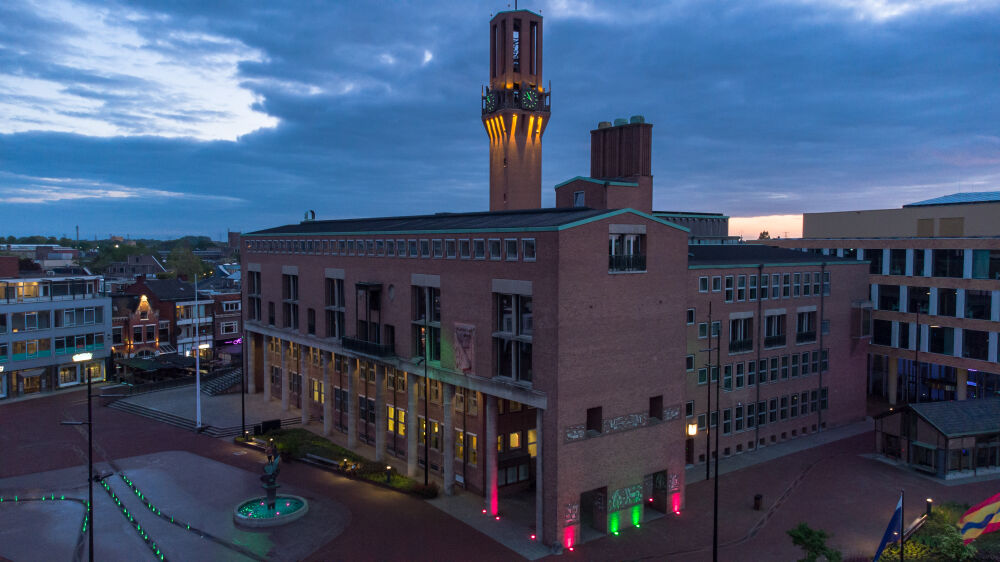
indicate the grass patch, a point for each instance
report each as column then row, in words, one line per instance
column 299, row 442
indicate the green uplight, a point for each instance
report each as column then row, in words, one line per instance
column 637, row 515
column 614, row 522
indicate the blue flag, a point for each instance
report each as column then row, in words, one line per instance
column 893, row 531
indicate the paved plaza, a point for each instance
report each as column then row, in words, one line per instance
column 834, row 486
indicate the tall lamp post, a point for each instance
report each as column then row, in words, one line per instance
column 197, row 357
column 80, row 358
column 708, row 388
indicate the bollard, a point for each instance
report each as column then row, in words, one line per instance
column 758, row 501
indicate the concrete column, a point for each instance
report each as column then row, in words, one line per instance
column 448, row 439
column 904, row 299
column 912, row 342
column 251, row 374
column 925, row 336
column 967, row 264
column 411, row 425
column 267, row 376
column 490, row 446
column 894, row 335
column 327, row 395
column 957, row 351
column 932, row 306
column 304, row 390
column 380, row 413
column 874, row 295
column 995, row 306
column 960, row 303
column 539, row 488
column 352, row 403
column 885, row 260
column 909, row 261
column 961, row 383
column 992, row 339
column 284, row 376
column 893, row 378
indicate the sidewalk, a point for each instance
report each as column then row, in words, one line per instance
column 222, row 411
column 733, row 463
column 511, row 530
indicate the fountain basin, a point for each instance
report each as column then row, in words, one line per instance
column 254, row 512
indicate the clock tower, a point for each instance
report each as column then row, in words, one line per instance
column 515, row 110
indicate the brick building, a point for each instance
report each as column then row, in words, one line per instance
column 789, row 342
column 544, row 348
column 135, row 327
column 184, row 321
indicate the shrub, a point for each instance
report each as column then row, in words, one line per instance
column 813, row 542
column 912, row 551
column 426, row 490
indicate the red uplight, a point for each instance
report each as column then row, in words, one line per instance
column 650, row 499
column 532, row 537
column 484, row 511
column 571, row 549
column 497, row 517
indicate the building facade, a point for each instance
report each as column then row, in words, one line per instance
column 536, row 373
column 54, row 332
column 934, row 276
column 775, row 346
column 135, row 327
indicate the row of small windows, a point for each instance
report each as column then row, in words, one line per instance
column 771, row 369
column 509, row 249
column 956, row 303
column 740, row 288
column 773, row 410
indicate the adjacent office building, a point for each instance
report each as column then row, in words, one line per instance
column 54, row 330
column 934, row 275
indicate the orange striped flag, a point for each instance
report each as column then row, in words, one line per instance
column 981, row 519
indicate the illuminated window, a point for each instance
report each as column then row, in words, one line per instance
column 391, row 417
column 514, row 440
column 533, row 442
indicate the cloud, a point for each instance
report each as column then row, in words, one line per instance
column 17, row 189
column 112, row 72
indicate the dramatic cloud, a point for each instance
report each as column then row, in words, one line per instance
column 155, row 118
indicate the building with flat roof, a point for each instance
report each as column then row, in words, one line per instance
column 776, row 345
column 54, row 330
column 934, row 276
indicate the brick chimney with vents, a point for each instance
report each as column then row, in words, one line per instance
column 620, row 169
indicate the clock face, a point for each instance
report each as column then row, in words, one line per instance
column 529, row 99
column 491, row 101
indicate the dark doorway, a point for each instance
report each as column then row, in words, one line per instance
column 594, row 509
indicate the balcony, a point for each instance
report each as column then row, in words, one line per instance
column 740, row 346
column 805, row 337
column 368, row 347
column 627, row 262
column 775, row 341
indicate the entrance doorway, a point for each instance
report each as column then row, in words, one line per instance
column 689, row 450
column 30, row 385
column 658, row 492
column 594, row 510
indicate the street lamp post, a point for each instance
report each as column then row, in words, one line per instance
column 197, row 358
column 80, row 358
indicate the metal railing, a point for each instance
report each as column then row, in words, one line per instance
column 627, row 262
column 368, row 347
column 775, row 341
column 740, row 346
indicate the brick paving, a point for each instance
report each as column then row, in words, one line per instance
column 382, row 524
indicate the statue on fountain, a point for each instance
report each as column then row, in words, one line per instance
column 271, row 469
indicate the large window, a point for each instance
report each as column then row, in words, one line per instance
column 805, row 330
column 919, row 299
column 290, row 298
column 975, row 344
column 978, row 304
column 947, row 263
column 897, row 262
column 881, row 332
column 774, row 330
column 942, row 340
column 335, row 327
column 740, row 335
column 986, row 264
column 427, row 321
column 874, row 256
column 626, row 252
column 512, row 336
column 888, row 297
column 947, row 302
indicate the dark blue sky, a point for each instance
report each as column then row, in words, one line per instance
column 196, row 117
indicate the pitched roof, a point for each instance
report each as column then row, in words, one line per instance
column 960, row 198
column 956, row 418
column 170, row 289
column 752, row 254
column 530, row 219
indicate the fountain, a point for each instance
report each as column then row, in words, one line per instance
column 271, row 509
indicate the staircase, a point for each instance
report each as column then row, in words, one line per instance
column 220, row 384
column 150, row 413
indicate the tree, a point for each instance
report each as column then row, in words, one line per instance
column 813, row 542
column 764, row 235
column 185, row 263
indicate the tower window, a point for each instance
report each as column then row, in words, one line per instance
column 516, row 46
column 578, row 199
column 534, row 48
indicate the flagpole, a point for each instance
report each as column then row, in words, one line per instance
column 902, row 525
